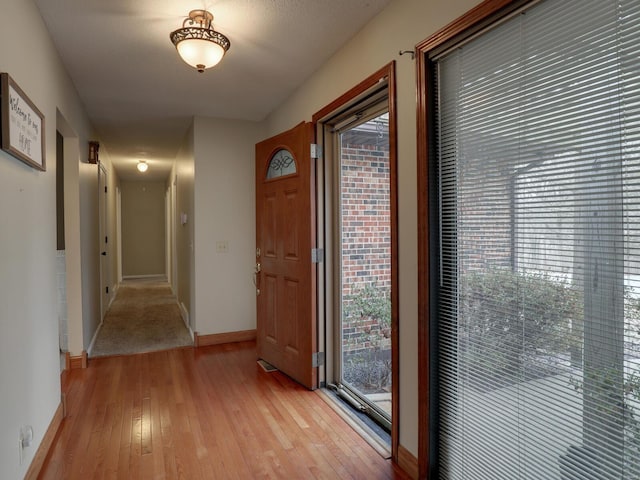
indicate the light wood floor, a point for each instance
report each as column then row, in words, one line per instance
column 207, row 413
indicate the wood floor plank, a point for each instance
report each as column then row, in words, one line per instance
column 246, row 427
column 206, row 413
column 113, row 443
column 156, row 437
column 127, row 407
column 277, row 457
column 169, row 460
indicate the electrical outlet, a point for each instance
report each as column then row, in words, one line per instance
column 222, row 246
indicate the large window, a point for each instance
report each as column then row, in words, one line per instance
column 536, row 247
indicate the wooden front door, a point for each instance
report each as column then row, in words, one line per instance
column 285, row 237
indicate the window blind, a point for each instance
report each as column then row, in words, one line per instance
column 538, row 319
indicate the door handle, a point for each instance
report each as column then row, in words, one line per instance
column 104, row 254
column 255, row 283
column 255, row 278
column 257, row 271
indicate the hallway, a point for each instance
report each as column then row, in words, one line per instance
column 144, row 317
column 207, row 413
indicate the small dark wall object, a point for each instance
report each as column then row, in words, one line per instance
column 93, row 152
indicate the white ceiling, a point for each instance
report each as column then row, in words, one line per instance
column 139, row 94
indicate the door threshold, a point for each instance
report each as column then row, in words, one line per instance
column 347, row 413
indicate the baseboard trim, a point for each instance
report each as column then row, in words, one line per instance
column 184, row 313
column 114, row 291
column 220, row 338
column 159, row 276
column 45, row 445
column 76, row 362
column 407, row 462
column 95, row 336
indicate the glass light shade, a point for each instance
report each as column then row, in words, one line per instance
column 200, row 54
column 142, row 166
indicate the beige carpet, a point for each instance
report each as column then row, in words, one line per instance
column 144, row 317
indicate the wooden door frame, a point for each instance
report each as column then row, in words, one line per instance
column 348, row 98
column 469, row 24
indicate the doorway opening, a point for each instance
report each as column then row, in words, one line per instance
column 358, row 232
column 61, row 267
column 364, row 246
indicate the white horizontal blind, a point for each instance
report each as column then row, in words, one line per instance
column 538, row 126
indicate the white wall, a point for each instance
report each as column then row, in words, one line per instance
column 143, row 228
column 183, row 175
column 29, row 357
column 224, row 153
column 402, row 25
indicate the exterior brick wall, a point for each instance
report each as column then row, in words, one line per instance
column 485, row 212
column 366, row 236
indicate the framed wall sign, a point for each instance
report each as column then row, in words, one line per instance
column 22, row 125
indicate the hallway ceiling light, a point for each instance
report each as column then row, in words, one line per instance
column 198, row 43
column 142, row 166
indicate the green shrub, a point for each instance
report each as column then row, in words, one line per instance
column 367, row 361
column 513, row 325
column 369, row 301
column 508, row 320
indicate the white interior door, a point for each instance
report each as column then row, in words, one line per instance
column 105, row 277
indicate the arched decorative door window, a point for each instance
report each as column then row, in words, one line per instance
column 281, row 164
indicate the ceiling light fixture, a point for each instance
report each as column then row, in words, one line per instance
column 198, row 44
column 142, row 166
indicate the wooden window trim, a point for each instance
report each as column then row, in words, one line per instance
column 481, row 16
